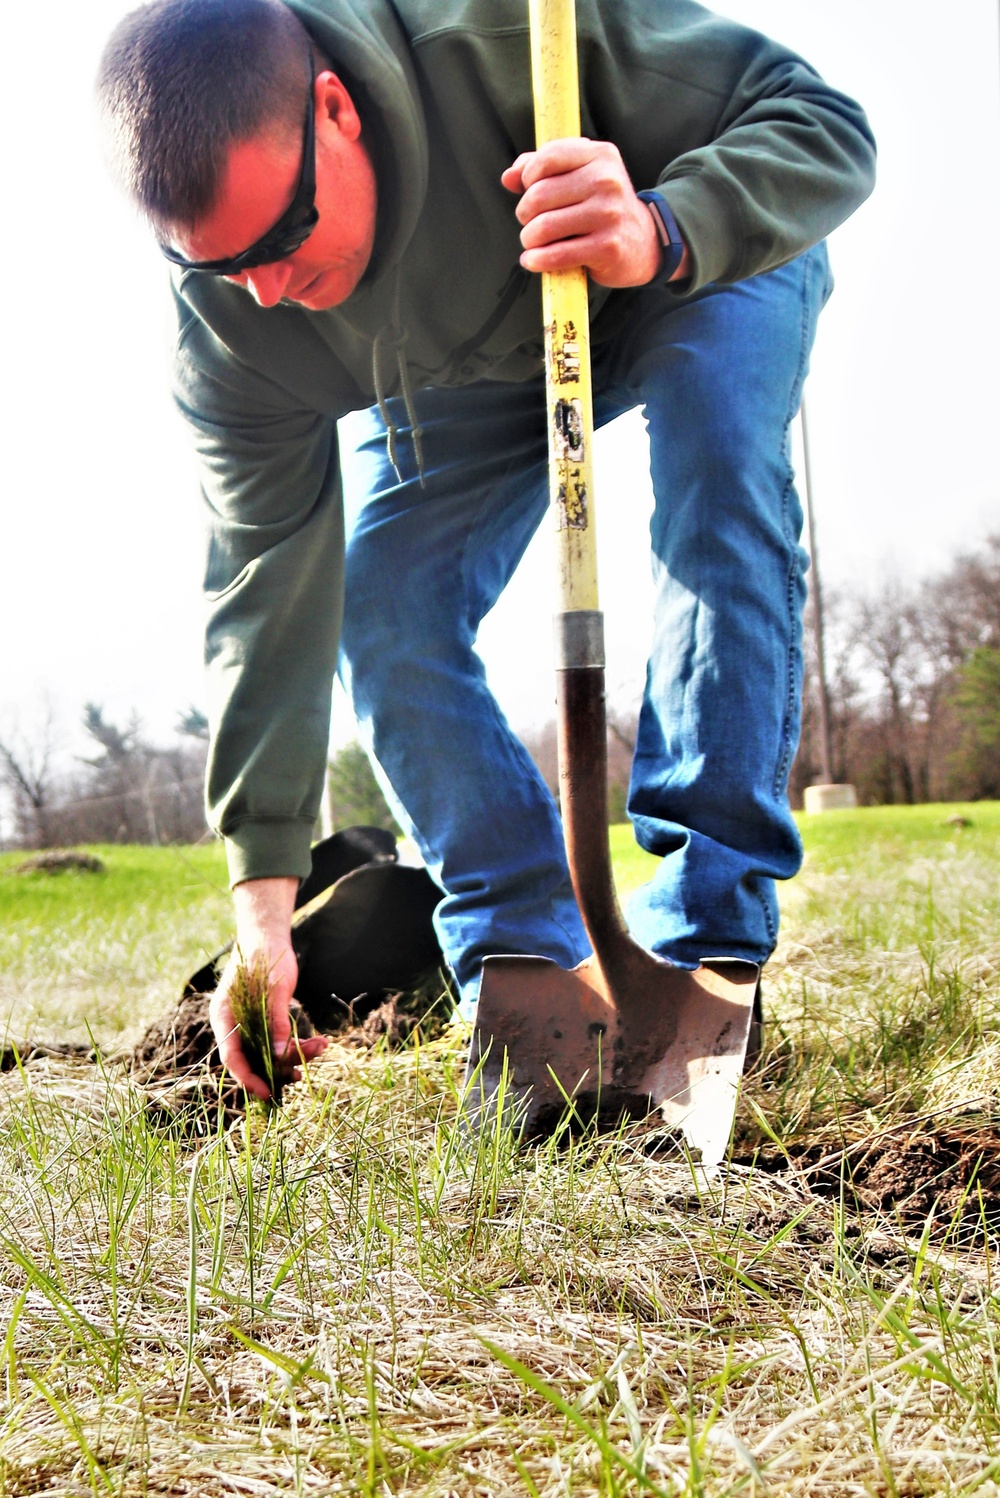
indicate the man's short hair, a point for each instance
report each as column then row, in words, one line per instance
column 180, row 81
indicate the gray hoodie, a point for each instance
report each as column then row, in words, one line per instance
column 758, row 159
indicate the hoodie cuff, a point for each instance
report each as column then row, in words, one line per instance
column 269, row 850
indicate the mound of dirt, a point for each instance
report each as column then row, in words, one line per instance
column 177, row 1044
column 59, row 861
column 954, row 1166
column 177, row 1064
column 949, row 1166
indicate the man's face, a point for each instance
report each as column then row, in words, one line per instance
column 258, row 183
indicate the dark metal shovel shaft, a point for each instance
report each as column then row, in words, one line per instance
column 583, row 793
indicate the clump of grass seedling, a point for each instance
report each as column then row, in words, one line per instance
column 249, row 996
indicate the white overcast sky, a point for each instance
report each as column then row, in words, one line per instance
column 101, row 526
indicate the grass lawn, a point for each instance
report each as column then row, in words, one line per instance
column 348, row 1299
column 107, row 953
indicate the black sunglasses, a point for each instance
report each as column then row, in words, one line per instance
column 293, row 227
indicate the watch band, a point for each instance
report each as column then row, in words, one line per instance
column 671, row 242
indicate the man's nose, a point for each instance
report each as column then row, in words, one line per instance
column 267, row 283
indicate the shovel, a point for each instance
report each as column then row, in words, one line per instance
column 625, row 1032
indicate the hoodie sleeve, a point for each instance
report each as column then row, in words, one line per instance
column 757, row 156
column 274, row 589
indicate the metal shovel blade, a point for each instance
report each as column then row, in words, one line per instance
column 625, row 1032
column 551, row 1041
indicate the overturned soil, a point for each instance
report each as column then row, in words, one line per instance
column 176, row 1062
column 949, row 1167
column 59, row 861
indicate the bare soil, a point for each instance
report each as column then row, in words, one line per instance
column 948, row 1166
column 175, row 1061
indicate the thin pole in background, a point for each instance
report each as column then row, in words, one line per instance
column 825, row 733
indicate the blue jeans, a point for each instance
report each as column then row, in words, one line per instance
column 719, row 378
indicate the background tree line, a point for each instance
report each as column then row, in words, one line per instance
column 127, row 790
column 130, row 790
column 913, row 674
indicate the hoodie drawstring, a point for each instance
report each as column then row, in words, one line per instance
column 395, row 335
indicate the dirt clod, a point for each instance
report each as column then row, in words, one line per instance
column 177, row 1065
column 60, row 861
column 948, row 1166
column 955, row 1167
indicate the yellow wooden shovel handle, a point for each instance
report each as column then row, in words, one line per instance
column 556, row 90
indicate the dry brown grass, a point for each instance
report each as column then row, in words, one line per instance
column 347, row 1299
column 313, row 1306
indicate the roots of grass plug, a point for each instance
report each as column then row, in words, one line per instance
column 176, row 1061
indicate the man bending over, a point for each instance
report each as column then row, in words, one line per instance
column 356, row 217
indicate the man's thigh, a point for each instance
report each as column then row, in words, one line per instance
column 452, row 534
column 719, row 375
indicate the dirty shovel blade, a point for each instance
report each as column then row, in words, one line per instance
column 539, row 1040
column 549, row 1043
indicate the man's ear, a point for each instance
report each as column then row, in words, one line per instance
column 333, row 102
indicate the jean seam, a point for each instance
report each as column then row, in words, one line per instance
column 784, row 761
column 783, row 765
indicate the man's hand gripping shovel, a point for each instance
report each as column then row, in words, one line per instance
column 625, row 1032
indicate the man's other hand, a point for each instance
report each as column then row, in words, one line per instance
column 578, row 207
column 263, row 929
